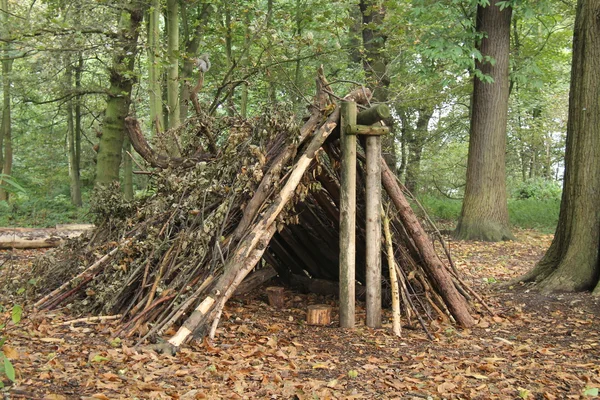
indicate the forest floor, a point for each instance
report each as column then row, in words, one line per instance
column 537, row 347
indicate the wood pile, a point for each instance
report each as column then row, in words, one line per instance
column 245, row 196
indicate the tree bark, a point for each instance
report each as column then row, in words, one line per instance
column 484, row 214
column 29, row 238
column 173, row 69
column 6, row 126
column 154, row 90
column 572, row 262
column 375, row 63
column 416, row 143
column 119, row 97
column 192, row 40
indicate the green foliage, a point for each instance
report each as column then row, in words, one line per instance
column 524, row 213
column 6, row 367
column 441, row 208
column 41, row 212
column 10, row 185
column 537, row 189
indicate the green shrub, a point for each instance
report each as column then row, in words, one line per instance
column 41, row 212
column 440, row 208
column 537, row 189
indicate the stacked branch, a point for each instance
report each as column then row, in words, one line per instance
column 268, row 197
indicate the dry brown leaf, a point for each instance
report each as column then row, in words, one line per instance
column 446, row 387
column 10, row 352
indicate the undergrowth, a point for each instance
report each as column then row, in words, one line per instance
column 41, row 212
column 527, row 213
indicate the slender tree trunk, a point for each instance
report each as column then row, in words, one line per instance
column 229, row 55
column 119, row 97
column 572, row 263
column 375, row 62
column 6, row 126
column 244, row 100
column 418, row 137
column 484, row 214
column 173, row 68
column 271, row 89
column 76, row 180
column 192, row 40
column 70, row 126
column 155, row 93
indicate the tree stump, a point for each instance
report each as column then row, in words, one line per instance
column 276, row 296
column 318, row 314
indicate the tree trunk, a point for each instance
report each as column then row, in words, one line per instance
column 192, row 46
column 484, row 214
column 155, row 93
column 572, row 262
column 417, row 141
column 75, row 185
column 173, row 68
column 5, row 127
column 375, row 63
column 119, row 97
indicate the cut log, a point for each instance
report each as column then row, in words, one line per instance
column 318, row 314
column 32, row 238
column 276, row 296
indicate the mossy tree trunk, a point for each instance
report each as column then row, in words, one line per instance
column 572, row 263
column 484, row 214
column 119, row 96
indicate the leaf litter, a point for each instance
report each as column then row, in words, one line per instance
column 537, row 347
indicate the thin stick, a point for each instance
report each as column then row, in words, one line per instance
column 421, row 322
column 396, row 323
column 90, row 320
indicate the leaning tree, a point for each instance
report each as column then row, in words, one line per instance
column 572, row 262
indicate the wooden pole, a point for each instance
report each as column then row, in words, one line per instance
column 373, row 232
column 347, row 217
column 373, row 114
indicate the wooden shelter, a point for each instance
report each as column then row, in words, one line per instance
column 268, row 198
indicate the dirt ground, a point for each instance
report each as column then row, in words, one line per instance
column 536, row 347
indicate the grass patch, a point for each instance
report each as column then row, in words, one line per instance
column 541, row 215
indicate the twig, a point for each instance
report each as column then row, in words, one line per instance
column 90, row 320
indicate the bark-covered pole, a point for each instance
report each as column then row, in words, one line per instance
column 373, row 232
column 347, row 216
column 373, row 215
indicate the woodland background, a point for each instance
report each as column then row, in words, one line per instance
column 60, row 59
